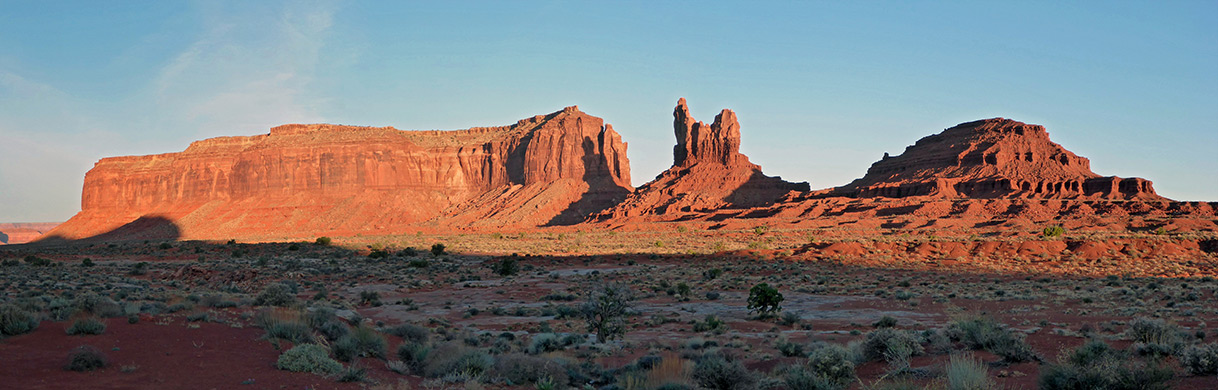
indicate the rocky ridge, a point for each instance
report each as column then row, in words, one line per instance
column 708, row 173
column 570, row 168
column 992, row 158
column 318, row 179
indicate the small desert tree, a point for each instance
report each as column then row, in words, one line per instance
column 605, row 311
column 765, row 300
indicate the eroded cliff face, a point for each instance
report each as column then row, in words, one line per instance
column 708, row 173
column 992, row 158
column 305, row 180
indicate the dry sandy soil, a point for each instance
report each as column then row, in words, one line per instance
column 196, row 315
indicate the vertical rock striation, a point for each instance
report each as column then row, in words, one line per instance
column 306, row 180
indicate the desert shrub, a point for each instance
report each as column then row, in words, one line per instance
column 716, row 372
column 764, row 299
column 276, row 294
column 790, row 318
column 1095, row 365
column 295, row 331
column 789, row 349
column 507, row 266
column 437, row 249
column 418, row 263
column 833, row 362
column 885, row 322
column 139, row 268
column 87, row 262
column 452, row 358
column 353, row 373
column 605, row 311
column 323, row 241
column 1200, row 359
column 985, row 333
column 965, row 372
column 15, row 321
column 709, row 324
column 378, row 254
column 86, row 358
column 410, row 332
column 1154, row 337
column 802, row 378
column 309, row 358
column 413, row 355
column 87, row 325
column 37, row 261
column 890, row 345
column 372, row 298
column 1053, row 231
column 521, row 369
column 362, row 341
column 545, row 342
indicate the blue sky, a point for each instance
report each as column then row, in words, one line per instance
column 822, row 89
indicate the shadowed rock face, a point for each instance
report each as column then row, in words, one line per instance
column 708, row 173
column 992, row 158
column 312, row 179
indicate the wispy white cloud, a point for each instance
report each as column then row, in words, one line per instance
column 251, row 67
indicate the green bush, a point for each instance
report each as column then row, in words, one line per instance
column 765, row 300
column 709, row 324
column 276, row 294
column 414, row 355
column 309, row 358
column 87, row 325
column 323, row 241
column 1154, row 337
column 802, row 378
column 15, row 321
column 1095, row 365
column 86, row 358
column 295, row 331
column 985, row 333
column 718, row 373
column 1053, row 231
column 1200, row 359
column 362, row 341
column 890, row 345
column 411, row 332
column 452, row 358
column 789, row 349
column 833, row 362
column 353, row 373
column 545, row 342
column 507, row 266
column 437, row 249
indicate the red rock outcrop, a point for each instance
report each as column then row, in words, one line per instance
column 708, row 173
column 992, row 158
column 307, row 180
column 23, row 232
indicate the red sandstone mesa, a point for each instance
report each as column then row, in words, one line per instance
column 569, row 167
column 305, row 180
column 992, row 158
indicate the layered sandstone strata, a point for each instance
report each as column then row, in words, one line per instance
column 708, row 173
column 304, row 180
column 992, row 158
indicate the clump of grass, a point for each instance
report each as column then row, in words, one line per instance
column 86, row 358
column 87, row 325
column 362, row 341
column 15, row 321
column 966, row 372
column 716, row 372
column 985, row 333
column 1095, row 365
